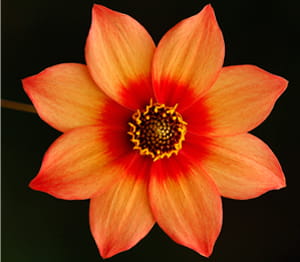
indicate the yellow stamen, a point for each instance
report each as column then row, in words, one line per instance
column 157, row 131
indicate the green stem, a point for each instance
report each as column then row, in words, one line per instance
column 17, row 106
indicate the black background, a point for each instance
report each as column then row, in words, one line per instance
column 38, row 227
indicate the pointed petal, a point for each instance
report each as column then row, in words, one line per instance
column 188, row 59
column 77, row 165
column 119, row 53
column 242, row 166
column 65, row 96
column 241, row 98
column 186, row 204
column 121, row 217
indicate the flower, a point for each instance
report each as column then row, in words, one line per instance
column 155, row 134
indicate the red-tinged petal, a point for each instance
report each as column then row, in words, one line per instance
column 198, row 119
column 119, row 52
column 77, row 165
column 65, row 96
column 242, row 166
column 188, row 59
column 121, row 216
column 241, row 98
column 186, row 204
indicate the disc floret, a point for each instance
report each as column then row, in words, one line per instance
column 157, row 131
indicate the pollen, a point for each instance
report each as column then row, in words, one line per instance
column 157, row 131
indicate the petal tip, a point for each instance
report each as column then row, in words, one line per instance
column 106, row 253
column 204, row 249
column 39, row 183
column 101, row 14
column 209, row 10
column 29, row 83
column 35, row 184
column 31, row 184
column 282, row 83
column 281, row 183
column 102, row 11
column 108, row 250
column 26, row 83
column 206, row 253
column 97, row 7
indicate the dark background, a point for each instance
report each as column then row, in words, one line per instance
column 37, row 227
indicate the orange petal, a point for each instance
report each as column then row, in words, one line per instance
column 65, row 96
column 119, row 53
column 186, row 204
column 241, row 98
column 243, row 166
column 77, row 165
column 121, row 216
column 188, row 59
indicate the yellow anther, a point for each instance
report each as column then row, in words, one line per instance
column 157, row 131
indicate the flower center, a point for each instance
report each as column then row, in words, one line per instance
column 157, row 131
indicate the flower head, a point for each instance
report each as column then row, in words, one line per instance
column 155, row 134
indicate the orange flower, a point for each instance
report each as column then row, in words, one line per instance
column 155, row 134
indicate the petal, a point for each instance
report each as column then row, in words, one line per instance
column 121, row 217
column 77, row 165
column 65, row 96
column 198, row 118
column 241, row 98
column 188, row 59
column 185, row 204
column 119, row 53
column 242, row 166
